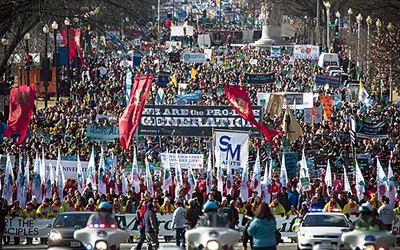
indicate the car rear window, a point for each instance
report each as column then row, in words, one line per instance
column 71, row 220
column 325, row 221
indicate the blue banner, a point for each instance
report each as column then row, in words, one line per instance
column 98, row 133
column 192, row 97
column 333, row 81
column 62, row 51
column 163, row 79
column 291, row 163
column 259, row 78
column 137, row 58
column 128, row 84
column 116, row 41
column 69, row 158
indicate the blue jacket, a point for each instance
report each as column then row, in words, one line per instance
column 263, row 232
column 293, row 198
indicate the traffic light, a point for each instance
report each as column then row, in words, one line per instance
column 337, row 30
column 28, row 61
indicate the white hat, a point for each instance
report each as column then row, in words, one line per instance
column 166, row 199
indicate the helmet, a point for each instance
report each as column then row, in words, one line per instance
column 365, row 208
column 105, row 206
column 210, row 206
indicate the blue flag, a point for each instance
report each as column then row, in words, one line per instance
column 163, row 79
column 137, row 57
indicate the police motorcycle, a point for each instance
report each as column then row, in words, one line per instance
column 368, row 238
column 102, row 231
column 212, row 231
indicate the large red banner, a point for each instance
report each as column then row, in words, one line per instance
column 240, row 102
column 78, row 33
column 70, row 42
column 22, row 100
column 129, row 120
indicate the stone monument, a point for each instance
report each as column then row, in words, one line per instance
column 272, row 24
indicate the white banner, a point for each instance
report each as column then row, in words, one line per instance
column 303, row 100
column 29, row 227
column 194, row 58
column 306, row 52
column 231, row 148
column 194, row 160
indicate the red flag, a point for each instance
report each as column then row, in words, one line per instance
column 71, row 42
column 22, row 100
column 129, row 120
column 239, row 100
column 78, row 33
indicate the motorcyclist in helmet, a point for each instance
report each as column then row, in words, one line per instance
column 211, row 216
column 368, row 221
column 104, row 215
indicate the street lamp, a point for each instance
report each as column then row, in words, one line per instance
column 350, row 12
column 54, row 26
column 359, row 19
column 390, row 27
column 328, row 7
column 305, row 30
column 45, row 65
column 27, row 36
column 369, row 22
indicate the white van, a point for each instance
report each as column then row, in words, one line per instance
column 328, row 59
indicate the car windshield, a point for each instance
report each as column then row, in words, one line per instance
column 71, row 220
column 325, row 221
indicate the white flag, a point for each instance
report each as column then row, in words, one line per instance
column 60, row 177
column 22, row 183
column 112, row 181
column 266, row 182
column 257, row 175
column 167, row 174
column 209, row 173
column 191, row 179
column 48, row 186
column 36, row 181
column 360, row 183
column 304, row 173
column 90, row 177
column 347, row 186
column 79, row 175
column 149, row 180
column 244, row 190
column 363, row 95
column 220, row 182
column 135, row 173
column 8, row 181
column 392, row 186
column 52, row 175
column 328, row 175
column 179, row 179
column 124, row 183
column 283, row 177
column 43, row 177
column 101, row 183
column 381, row 180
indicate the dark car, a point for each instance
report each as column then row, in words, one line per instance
column 63, row 228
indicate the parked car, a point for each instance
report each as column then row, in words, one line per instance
column 63, row 228
column 321, row 228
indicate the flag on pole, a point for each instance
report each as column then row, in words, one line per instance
column 90, row 177
column 149, row 180
column 363, row 95
column 392, row 186
column 167, row 173
column 220, row 182
column 79, row 175
column 381, row 180
column 135, row 173
column 42, row 177
column 304, row 173
column 60, row 177
column 328, row 175
column 52, row 175
column 124, row 183
column 36, row 181
column 22, row 182
column 48, row 184
column 112, row 174
column 283, row 177
column 360, row 183
column 244, row 190
column 101, row 183
column 179, row 179
column 347, row 186
column 193, row 73
column 209, row 173
column 191, row 179
column 8, row 181
column 256, row 180
column 228, row 178
column 266, row 182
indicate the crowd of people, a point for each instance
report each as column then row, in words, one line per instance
column 95, row 93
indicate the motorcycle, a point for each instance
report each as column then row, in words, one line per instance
column 368, row 240
column 212, row 237
column 101, row 236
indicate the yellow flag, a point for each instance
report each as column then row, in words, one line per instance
column 174, row 80
column 291, row 126
column 193, row 73
column 218, row 2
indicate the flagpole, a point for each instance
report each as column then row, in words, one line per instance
column 155, row 115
